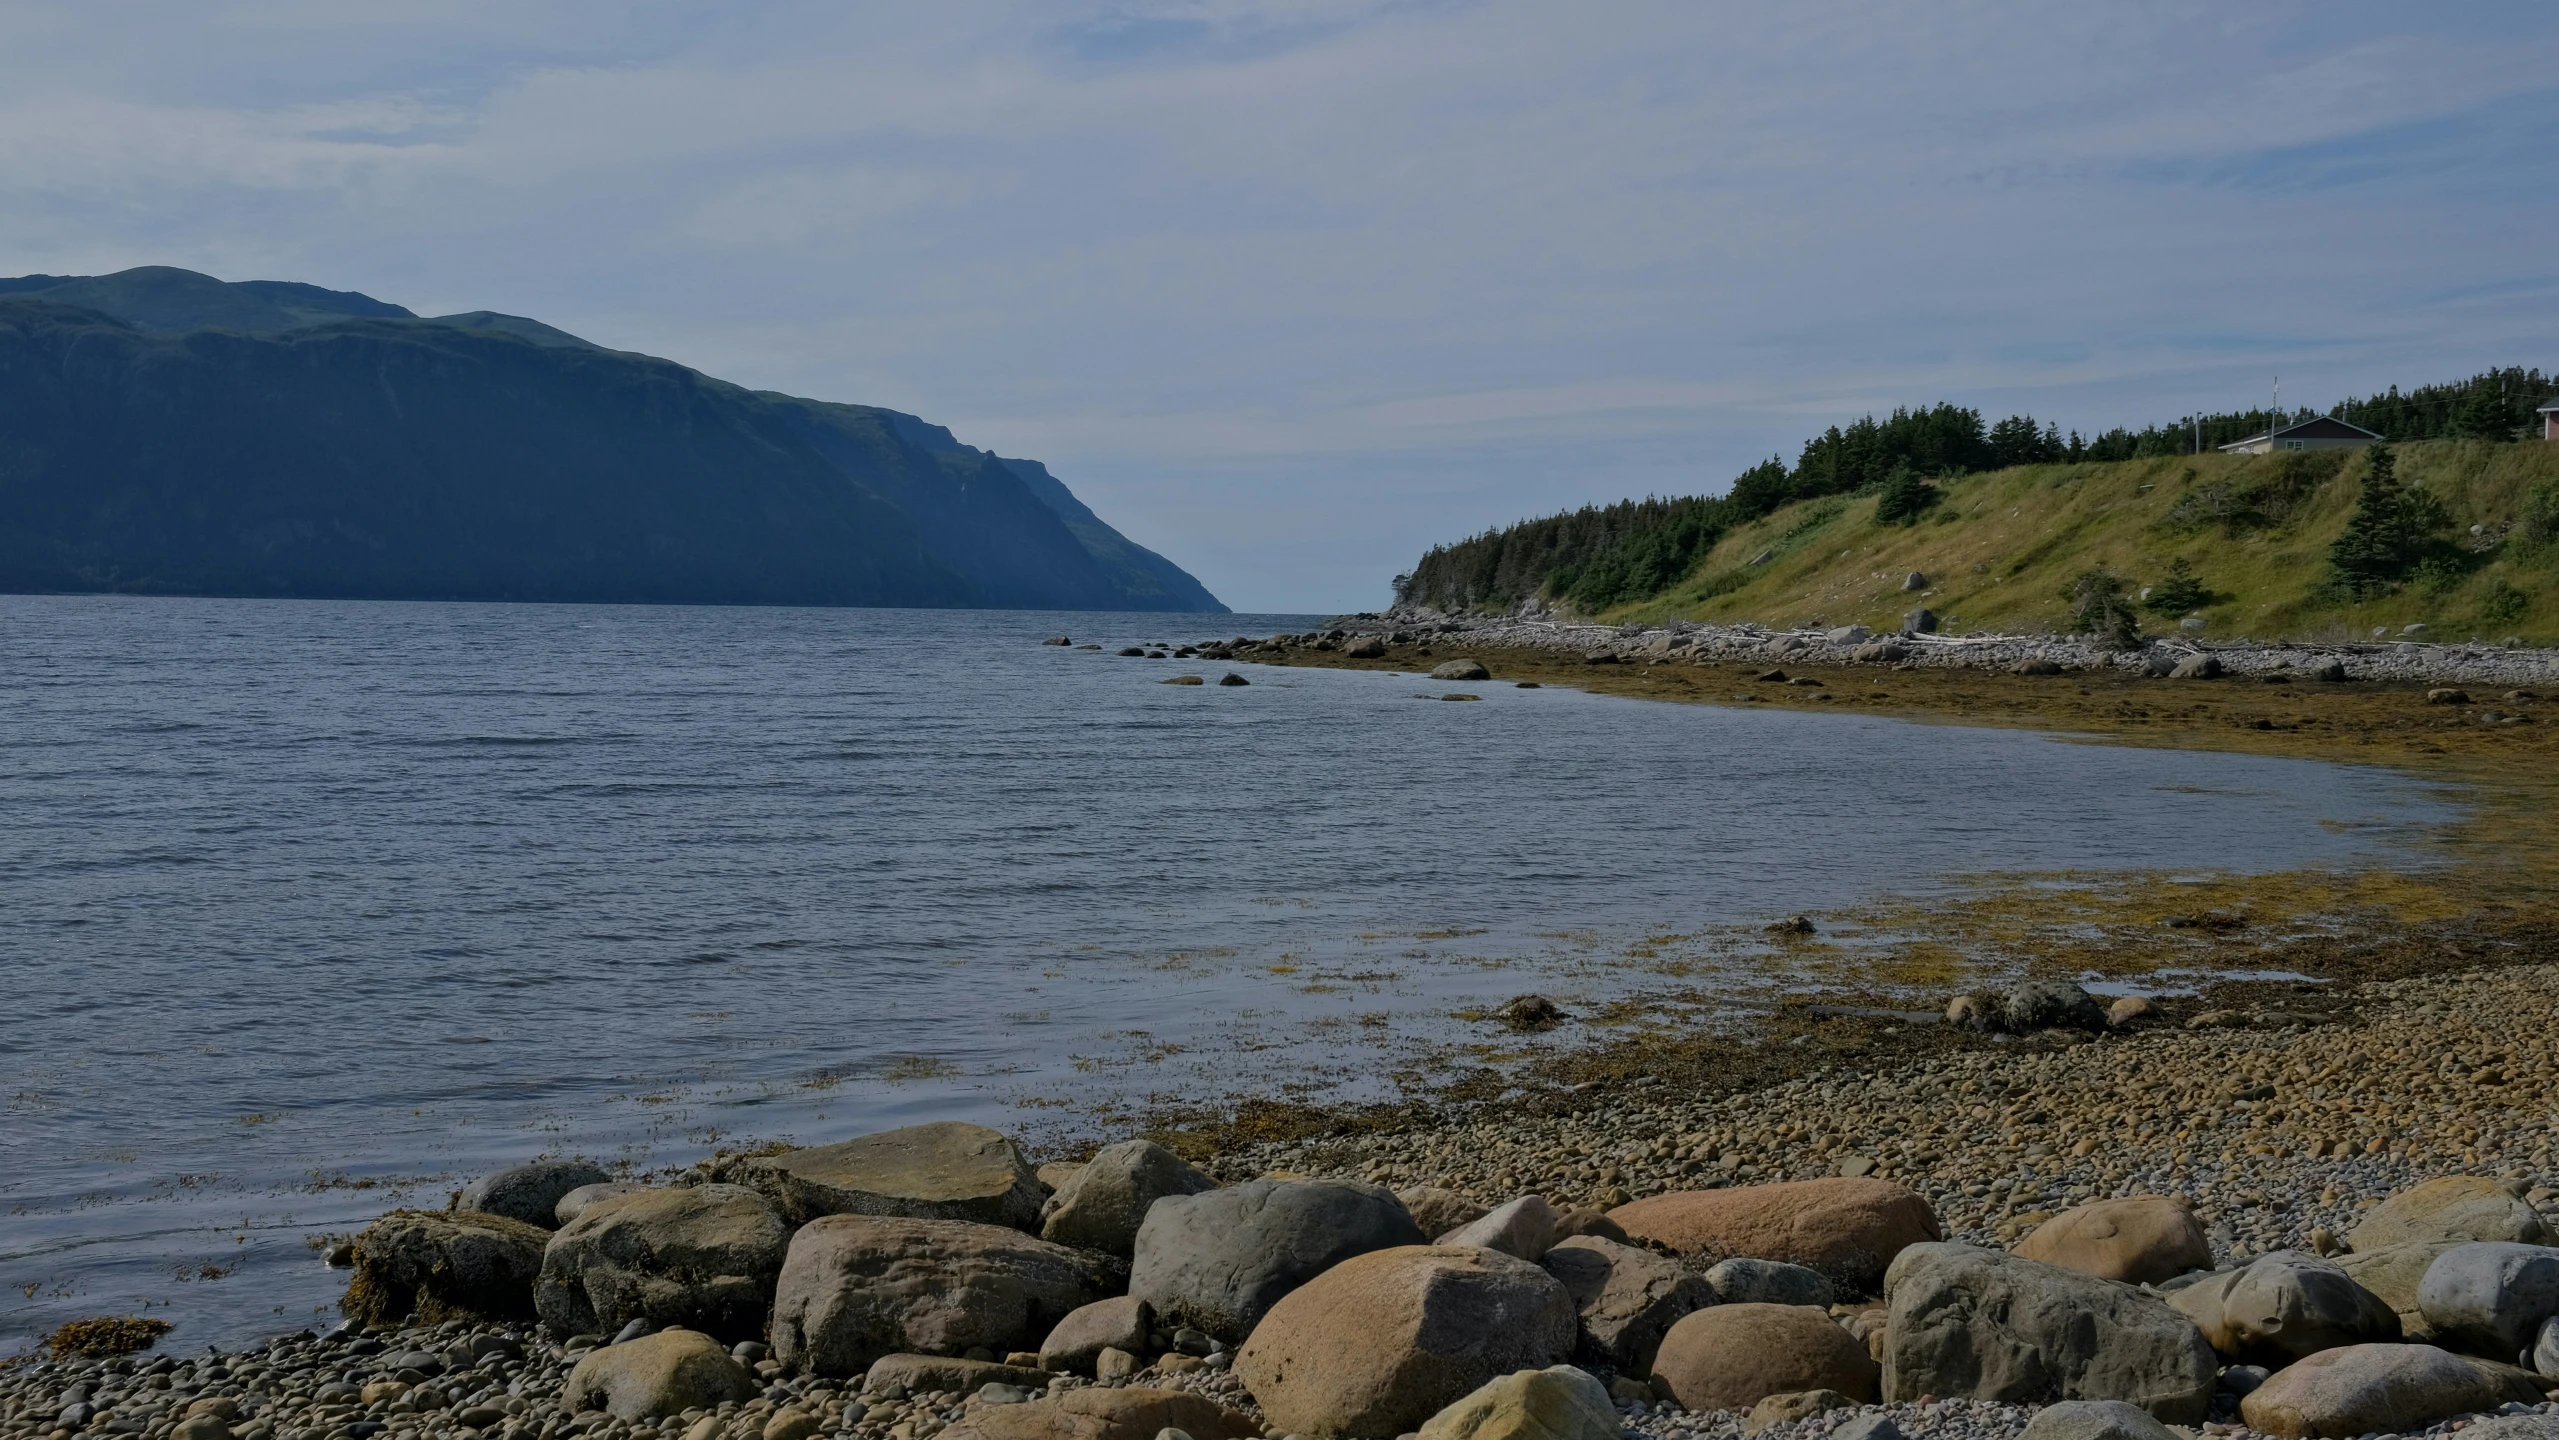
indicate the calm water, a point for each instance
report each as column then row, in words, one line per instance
column 313, row 908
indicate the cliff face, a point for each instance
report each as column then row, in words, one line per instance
column 280, row 439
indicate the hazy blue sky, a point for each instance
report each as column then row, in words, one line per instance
column 1291, row 290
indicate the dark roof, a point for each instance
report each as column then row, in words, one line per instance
column 2317, row 427
column 2553, row 405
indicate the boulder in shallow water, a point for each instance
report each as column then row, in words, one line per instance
column 427, row 1267
column 947, row 1170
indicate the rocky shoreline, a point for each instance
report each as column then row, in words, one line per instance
column 1644, row 1265
column 2399, row 659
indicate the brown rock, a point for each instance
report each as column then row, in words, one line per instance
column 1384, row 1340
column 1789, row 1408
column 2361, row 1389
column 1847, row 1228
column 1580, row 1221
column 1098, row 1414
column 1077, row 1342
column 2140, row 1239
column 666, row 1373
column 698, row 1256
column 1731, row 1357
column 857, row 1287
column 919, row 1374
column 943, row 1171
column 2450, row 1208
column 1627, row 1299
column 1439, row 1211
column 1558, row 1403
column 2284, row 1307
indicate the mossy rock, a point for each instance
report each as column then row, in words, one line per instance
column 431, row 1266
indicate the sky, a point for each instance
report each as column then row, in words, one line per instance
column 1292, row 291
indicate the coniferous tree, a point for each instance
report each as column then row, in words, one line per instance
column 2098, row 608
column 2382, row 538
column 1906, row 497
column 2182, row 591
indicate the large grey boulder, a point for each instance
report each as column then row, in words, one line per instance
column 1742, row 1281
column 2094, row 1420
column 1101, row 1205
column 700, row 1256
column 1626, row 1299
column 2490, row 1298
column 2284, row 1306
column 857, row 1287
column 427, row 1267
column 1978, row 1323
column 943, row 1171
column 1218, row 1261
column 2050, row 1004
column 529, row 1193
column 667, row 1373
column 1461, row 670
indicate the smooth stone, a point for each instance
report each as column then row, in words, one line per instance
column 2490, row 1297
column 947, row 1170
column 2282, row 1307
column 663, row 1374
column 2095, row 1420
column 1219, row 1260
column 1626, row 1298
column 1101, row 1207
column 530, row 1193
column 2450, row 1208
column 1095, row 1413
column 1743, row 1281
column 919, row 1374
column 2139, row 1239
column 1437, row 1211
column 1849, row 1229
column 1868, row 1427
column 1995, row 1326
column 1524, row 1227
column 1076, row 1343
column 1731, row 1357
column 700, row 1256
column 1556, row 1403
column 856, row 1287
column 575, row 1203
column 2364, row 1389
column 1384, row 1340
column 1793, row 1406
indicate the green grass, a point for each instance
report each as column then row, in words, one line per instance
column 2001, row 547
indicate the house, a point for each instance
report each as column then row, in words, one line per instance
column 2550, row 421
column 2320, row 432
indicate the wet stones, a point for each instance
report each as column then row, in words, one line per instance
column 431, row 1267
column 856, row 1287
column 947, row 1170
column 702, row 1256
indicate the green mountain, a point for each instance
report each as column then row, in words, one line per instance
column 165, row 432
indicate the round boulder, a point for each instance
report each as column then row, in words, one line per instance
column 1092, row 1413
column 2094, row 1420
column 530, row 1193
column 2368, row 1389
column 426, row 1267
column 1461, row 670
column 575, row 1203
column 947, row 1170
column 857, row 1287
column 699, row 1256
column 1849, row 1229
column 1627, row 1299
column 1219, row 1260
column 2139, row 1239
column 1731, row 1357
column 2449, row 1208
column 2490, row 1298
column 1557, row 1403
column 1437, row 1211
column 1101, row 1205
column 656, row 1375
column 1385, row 1340
column 2049, row 1004
column 2282, row 1307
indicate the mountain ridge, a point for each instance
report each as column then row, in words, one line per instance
column 162, row 431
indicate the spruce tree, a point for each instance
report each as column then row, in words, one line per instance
column 2382, row 538
column 2180, row 592
column 1906, row 497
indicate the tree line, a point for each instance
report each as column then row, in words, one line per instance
column 1600, row 556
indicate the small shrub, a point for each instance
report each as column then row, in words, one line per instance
column 2098, row 608
column 2539, row 523
column 2503, row 604
column 1905, row 498
column 2181, row 592
column 2441, row 574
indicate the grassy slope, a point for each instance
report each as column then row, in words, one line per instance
column 2002, row 546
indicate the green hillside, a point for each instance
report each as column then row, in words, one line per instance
column 1999, row 549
